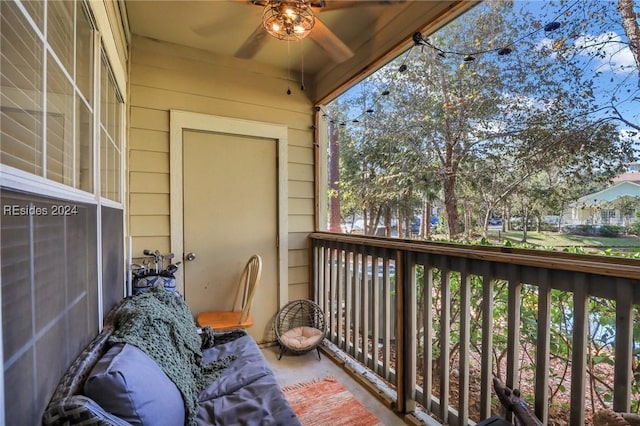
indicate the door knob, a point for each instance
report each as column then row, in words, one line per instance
column 190, row 256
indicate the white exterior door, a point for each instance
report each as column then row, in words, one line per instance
column 227, row 204
column 230, row 212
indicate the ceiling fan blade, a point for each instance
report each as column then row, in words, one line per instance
column 339, row 4
column 325, row 38
column 206, row 30
column 253, row 44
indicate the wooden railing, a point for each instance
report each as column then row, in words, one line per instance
column 397, row 305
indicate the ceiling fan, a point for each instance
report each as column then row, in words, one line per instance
column 320, row 33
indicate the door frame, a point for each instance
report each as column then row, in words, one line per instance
column 180, row 121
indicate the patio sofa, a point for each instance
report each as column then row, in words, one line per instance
column 203, row 378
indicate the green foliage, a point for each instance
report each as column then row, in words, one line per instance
column 601, row 330
column 610, row 230
column 515, row 133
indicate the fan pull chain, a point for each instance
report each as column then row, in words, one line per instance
column 288, row 68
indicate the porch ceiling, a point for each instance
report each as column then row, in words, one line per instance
column 373, row 30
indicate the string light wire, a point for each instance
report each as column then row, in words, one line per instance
column 419, row 40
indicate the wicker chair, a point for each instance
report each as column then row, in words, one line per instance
column 300, row 327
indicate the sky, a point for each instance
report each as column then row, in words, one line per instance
column 615, row 71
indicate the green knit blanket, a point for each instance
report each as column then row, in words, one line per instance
column 160, row 323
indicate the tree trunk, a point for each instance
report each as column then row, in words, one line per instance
column 525, row 225
column 425, row 225
column 334, row 179
column 631, row 27
column 451, row 204
column 449, row 169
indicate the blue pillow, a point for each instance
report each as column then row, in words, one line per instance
column 130, row 385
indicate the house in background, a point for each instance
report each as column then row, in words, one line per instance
column 606, row 207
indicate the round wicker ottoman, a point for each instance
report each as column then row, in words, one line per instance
column 300, row 327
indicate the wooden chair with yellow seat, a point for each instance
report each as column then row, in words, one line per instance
column 228, row 320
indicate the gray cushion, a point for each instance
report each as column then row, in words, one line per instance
column 130, row 385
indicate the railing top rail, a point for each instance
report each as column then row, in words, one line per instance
column 594, row 264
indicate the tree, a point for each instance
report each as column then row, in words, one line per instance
column 632, row 29
column 486, row 104
column 520, row 108
column 335, row 217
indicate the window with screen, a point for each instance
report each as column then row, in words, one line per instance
column 110, row 130
column 49, row 98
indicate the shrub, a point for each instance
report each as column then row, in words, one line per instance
column 610, row 230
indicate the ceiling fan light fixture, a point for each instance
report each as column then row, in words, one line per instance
column 288, row 19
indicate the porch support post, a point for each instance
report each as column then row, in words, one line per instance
column 624, row 346
column 579, row 354
column 406, row 341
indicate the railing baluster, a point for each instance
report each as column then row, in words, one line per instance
column 579, row 352
column 348, row 302
column 375, row 315
column 486, row 387
column 334, row 258
column 427, row 324
column 624, row 346
column 357, row 280
column 543, row 347
column 366, row 284
column 445, row 340
column 362, row 338
column 463, row 371
column 318, row 272
column 342, row 283
column 402, row 306
column 386, row 329
column 513, row 329
column 325, row 287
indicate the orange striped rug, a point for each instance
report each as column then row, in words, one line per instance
column 325, row 402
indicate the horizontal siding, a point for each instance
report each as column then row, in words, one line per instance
column 298, row 257
column 165, row 77
column 300, row 154
column 299, row 291
column 300, row 189
column 298, row 275
column 299, row 137
column 298, row 240
column 159, row 99
column 148, row 183
column 300, row 223
column 149, row 140
column 302, row 172
column 149, row 161
column 301, row 206
column 139, row 244
column 149, row 204
column 149, row 119
column 150, row 226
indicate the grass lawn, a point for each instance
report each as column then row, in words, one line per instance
column 561, row 240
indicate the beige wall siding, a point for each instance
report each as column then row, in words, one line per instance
column 165, row 77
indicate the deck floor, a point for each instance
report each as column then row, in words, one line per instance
column 293, row 369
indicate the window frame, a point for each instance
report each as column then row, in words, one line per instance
column 104, row 47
